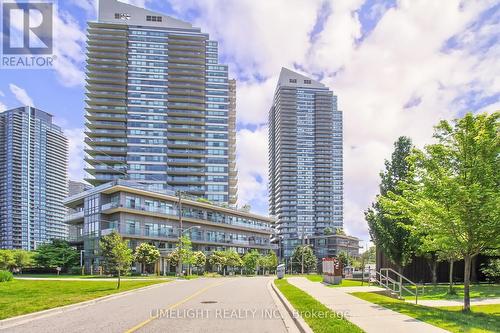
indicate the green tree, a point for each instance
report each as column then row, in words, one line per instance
column 22, row 259
column 116, row 254
column 344, row 258
column 447, row 252
column 146, row 254
column 218, row 259
column 250, row 261
column 173, row 257
column 492, row 269
column 184, row 252
column 369, row 256
column 271, row 261
column 389, row 233
column 6, row 260
column 456, row 196
column 199, row 260
column 340, row 231
column 304, row 254
column 233, row 259
column 58, row 253
column 327, row 231
column 357, row 263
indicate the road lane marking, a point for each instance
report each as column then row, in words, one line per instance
column 147, row 321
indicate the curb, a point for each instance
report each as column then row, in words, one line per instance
column 298, row 320
column 22, row 319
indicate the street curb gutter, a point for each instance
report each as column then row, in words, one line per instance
column 298, row 320
column 19, row 320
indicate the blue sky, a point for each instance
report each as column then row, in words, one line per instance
column 397, row 67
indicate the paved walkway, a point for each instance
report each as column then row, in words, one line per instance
column 370, row 317
column 473, row 301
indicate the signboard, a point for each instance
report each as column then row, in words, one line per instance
column 332, row 270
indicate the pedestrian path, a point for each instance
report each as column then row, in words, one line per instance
column 369, row 317
column 473, row 301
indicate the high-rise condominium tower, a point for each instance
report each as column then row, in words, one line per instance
column 33, row 179
column 305, row 160
column 158, row 104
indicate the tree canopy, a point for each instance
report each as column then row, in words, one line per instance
column 305, row 254
column 454, row 196
column 146, row 254
column 391, row 233
column 58, row 253
column 116, row 254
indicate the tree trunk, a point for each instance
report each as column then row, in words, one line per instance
column 473, row 271
column 450, row 291
column 467, row 269
column 399, row 269
column 434, row 272
column 119, row 280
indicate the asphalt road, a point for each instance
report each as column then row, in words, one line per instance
column 201, row 305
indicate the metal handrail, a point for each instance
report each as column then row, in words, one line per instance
column 395, row 283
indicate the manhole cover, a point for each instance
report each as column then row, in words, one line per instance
column 208, row 302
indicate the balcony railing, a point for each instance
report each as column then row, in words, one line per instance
column 74, row 216
column 170, row 233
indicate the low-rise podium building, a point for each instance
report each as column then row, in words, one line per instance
column 141, row 215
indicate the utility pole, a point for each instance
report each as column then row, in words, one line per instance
column 179, row 193
column 303, row 248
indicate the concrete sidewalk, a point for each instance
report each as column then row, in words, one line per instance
column 369, row 317
column 473, row 301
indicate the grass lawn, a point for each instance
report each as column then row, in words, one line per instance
column 481, row 319
column 492, row 309
column 68, row 276
column 305, row 304
column 349, row 283
column 314, row 278
column 20, row 297
column 441, row 291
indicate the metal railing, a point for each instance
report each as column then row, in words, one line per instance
column 396, row 285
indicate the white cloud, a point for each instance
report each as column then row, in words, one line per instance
column 252, row 168
column 254, row 100
column 400, row 60
column 69, row 49
column 90, row 6
column 21, row 95
column 258, row 37
column 76, row 155
column 139, row 3
column 3, row 107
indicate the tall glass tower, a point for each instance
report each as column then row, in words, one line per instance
column 158, row 104
column 33, row 179
column 305, row 160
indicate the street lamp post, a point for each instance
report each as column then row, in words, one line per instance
column 303, row 247
column 179, row 268
column 181, row 233
column 81, row 259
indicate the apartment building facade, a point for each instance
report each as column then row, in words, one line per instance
column 141, row 215
column 305, row 160
column 33, row 179
column 159, row 109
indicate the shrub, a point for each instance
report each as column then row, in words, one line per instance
column 75, row 270
column 5, row 276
